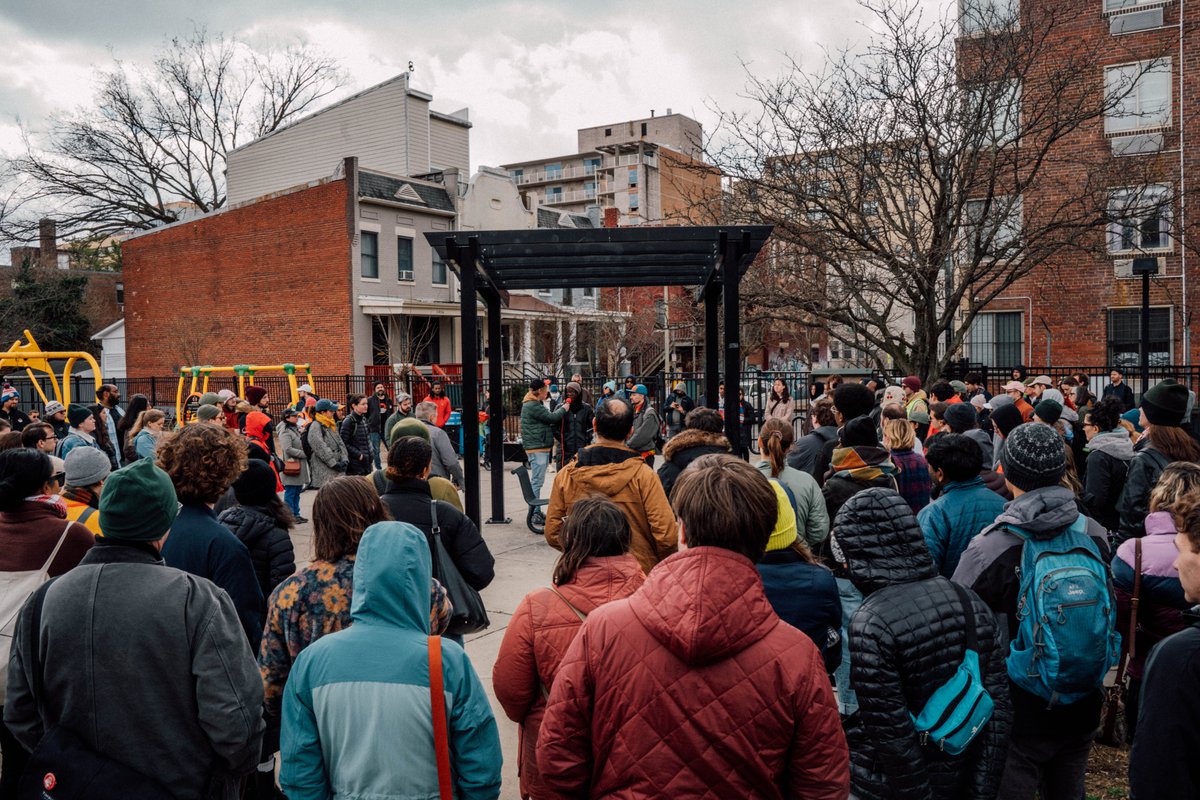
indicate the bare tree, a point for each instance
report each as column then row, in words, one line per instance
column 153, row 143
column 899, row 178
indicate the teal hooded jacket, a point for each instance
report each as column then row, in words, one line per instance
column 357, row 720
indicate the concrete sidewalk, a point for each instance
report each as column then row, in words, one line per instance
column 523, row 562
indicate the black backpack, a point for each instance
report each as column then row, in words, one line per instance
column 304, row 440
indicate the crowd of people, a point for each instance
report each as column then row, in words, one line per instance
column 925, row 596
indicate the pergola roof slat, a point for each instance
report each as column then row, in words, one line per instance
column 641, row 256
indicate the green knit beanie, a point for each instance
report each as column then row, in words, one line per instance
column 409, row 426
column 138, row 503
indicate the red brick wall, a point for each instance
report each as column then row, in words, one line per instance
column 266, row 283
column 1071, row 294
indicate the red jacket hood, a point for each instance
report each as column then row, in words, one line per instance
column 256, row 425
column 704, row 604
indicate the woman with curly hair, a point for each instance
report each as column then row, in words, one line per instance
column 203, row 461
column 316, row 600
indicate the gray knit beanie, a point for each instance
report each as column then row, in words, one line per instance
column 1033, row 457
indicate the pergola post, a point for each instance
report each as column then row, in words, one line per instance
column 733, row 356
column 712, row 334
column 495, row 443
column 470, row 376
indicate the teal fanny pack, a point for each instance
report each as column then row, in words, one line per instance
column 961, row 707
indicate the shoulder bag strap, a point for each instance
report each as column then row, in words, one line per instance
column 86, row 515
column 969, row 616
column 57, row 547
column 441, row 733
column 437, row 530
column 1137, row 592
column 582, row 616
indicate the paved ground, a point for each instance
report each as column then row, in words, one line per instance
column 523, row 562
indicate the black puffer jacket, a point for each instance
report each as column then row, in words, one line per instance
column 356, row 433
column 409, row 501
column 574, row 431
column 270, row 545
column 906, row 640
column 684, row 448
column 1143, row 472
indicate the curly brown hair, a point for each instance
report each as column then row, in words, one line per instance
column 203, row 461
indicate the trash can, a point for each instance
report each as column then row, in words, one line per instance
column 453, row 429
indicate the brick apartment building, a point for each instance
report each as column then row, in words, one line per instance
column 636, row 172
column 1084, row 308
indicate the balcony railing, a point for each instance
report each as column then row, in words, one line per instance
column 549, row 176
column 559, row 198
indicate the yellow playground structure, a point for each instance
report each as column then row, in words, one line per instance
column 35, row 361
column 195, row 381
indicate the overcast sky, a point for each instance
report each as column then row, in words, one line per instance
column 530, row 72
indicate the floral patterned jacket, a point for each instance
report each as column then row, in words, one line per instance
column 310, row 604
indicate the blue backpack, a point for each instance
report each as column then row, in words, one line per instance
column 1066, row 638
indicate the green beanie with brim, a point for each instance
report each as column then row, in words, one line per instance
column 138, row 503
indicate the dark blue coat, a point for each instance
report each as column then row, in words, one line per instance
column 805, row 596
column 200, row 545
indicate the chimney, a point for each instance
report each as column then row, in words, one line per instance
column 652, row 113
column 47, row 244
column 668, row 112
column 612, row 216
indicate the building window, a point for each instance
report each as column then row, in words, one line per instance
column 589, row 190
column 590, row 165
column 608, row 131
column 993, row 226
column 870, row 208
column 369, row 254
column 439, row 270
column 643, row 129
column 996, row 339
column 633, row 176
column 120, row 294
column 979, row 16
column 998, row 105
column 554, row 194
column 1141, row 219
column 517, row 173
column 633, row 202
column 1125, row 337
column 404, row 258
column 589, row 292
column 1138, row 96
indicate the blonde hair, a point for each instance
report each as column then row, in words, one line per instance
column 1177, row 490
column 898, row 434
column 144, row 419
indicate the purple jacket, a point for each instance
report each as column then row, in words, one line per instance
column 1161, row 604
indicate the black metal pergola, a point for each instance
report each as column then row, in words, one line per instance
column 490, row 264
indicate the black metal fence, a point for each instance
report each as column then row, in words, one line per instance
column 801, row 384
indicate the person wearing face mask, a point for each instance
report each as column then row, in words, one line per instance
column 678, row 406
column 646, row 425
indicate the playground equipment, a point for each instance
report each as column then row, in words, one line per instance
column 185, row 404
column 31, row 358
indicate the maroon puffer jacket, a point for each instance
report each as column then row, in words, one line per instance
column 693, row 687
column 538, row 636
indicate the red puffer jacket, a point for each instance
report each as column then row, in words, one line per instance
column 693, row 687
column 537, row 638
